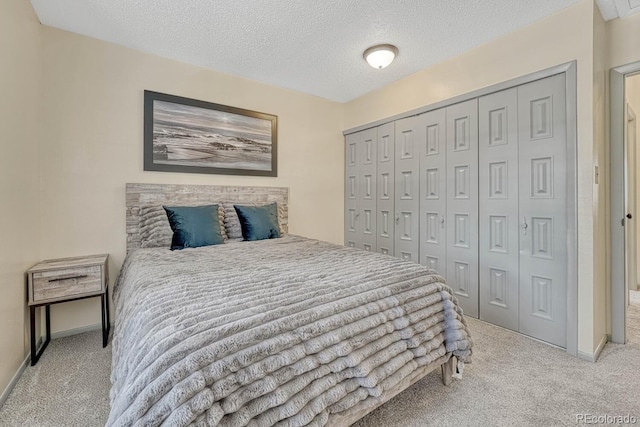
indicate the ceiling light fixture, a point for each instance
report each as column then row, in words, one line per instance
column 381, row 55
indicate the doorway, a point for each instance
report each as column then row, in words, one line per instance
column 625, row 199
column 632, row 100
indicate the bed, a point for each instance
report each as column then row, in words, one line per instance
column 289, row 331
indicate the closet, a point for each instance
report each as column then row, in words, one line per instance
column 523, row 209
column 476, row 190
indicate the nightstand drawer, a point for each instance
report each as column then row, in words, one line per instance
column 66, row 283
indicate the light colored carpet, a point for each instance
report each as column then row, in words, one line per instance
column 513, row 381
column 68, row 387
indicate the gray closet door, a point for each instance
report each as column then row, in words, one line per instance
column 366, row 220
column 360, row 190
column 462, row 204
column 386, row 189
column 498, row 161
column 433, row 190
column 351, row 190
column 543, row 209
column 407, row 190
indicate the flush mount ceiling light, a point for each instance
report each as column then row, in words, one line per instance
column 381, row 55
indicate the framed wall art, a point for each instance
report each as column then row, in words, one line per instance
column 187, row 135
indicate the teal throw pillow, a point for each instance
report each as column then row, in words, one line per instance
column 258, row 222
column 194, row 226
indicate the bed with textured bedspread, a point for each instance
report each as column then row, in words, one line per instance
column 288, row 331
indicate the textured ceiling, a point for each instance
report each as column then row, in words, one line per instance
column 309, row 46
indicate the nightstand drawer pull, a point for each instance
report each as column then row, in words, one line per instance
column 58, row 279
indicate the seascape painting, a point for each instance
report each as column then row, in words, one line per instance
column 185, row 135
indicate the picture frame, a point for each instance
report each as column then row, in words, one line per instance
column 188, row 135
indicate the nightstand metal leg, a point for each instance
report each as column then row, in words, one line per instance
column 106, row 295
column 35, row 354
column 47, row 310
column 32, row 323
column 106, row 322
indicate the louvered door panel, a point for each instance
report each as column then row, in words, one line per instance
column 543, row 209
column 498, row 196
column 407, row 188
column 386, row 189
column 462, row 203
column 351, row 190
column 433, row 190
column 367, row 218
column 360, row 189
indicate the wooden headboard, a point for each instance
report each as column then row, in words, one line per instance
column 140, row 196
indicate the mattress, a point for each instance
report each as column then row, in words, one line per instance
column 276, row 332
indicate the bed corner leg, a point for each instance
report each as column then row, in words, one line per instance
column 447, row 370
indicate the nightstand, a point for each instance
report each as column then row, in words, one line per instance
column 67, row 279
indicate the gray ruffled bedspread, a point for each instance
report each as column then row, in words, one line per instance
column 274, row 332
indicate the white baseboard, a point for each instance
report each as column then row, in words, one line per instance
column 16, row 377
column 594, row 357
column 9, row 388
column 76, row 331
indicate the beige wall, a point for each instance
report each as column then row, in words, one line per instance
column 624, row 40
column 563, row 37
column 92, row 117
column 19, row 175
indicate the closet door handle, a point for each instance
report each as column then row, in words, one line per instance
column 442, row 220
column 397, row 219
column 524, row 225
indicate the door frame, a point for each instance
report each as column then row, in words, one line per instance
column 618, row 123
column 630, row 117
column 570, row 71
